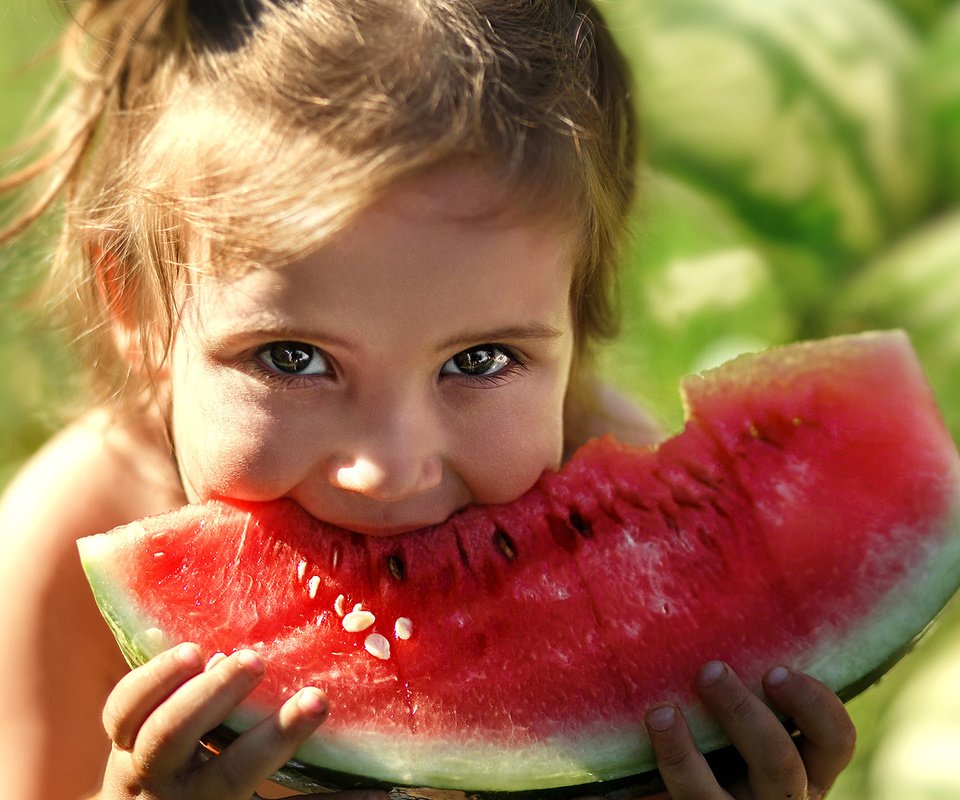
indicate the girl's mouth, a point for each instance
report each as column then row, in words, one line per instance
column 381, row 528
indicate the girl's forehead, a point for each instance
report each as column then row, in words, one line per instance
column 465, row 191
column 428, row 239
column 467, row 194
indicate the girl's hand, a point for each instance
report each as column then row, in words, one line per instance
column 778, row 766
column 157, row 713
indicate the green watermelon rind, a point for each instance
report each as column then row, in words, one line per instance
column 847, row 662
column 120, row 614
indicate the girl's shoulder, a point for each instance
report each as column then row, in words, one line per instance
column 96, row 473
column 60, row 660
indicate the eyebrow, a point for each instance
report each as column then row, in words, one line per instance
column 257, row 329
column 513, row 332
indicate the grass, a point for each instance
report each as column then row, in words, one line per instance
column 37, row 369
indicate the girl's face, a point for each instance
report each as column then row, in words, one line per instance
column 416, row 363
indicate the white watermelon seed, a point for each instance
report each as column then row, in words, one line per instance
column 403, row 628
column 301, row 569
column 313, row 586
column 377, row 646
column 338, row 605
column 154, row 637
column 357, row 621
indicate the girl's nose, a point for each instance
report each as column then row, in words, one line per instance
column 390, row 447
column 387, row 479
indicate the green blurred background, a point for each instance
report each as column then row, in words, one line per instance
column 802, row 179
column 36, row 365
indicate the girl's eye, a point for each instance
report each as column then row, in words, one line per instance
column 479, row 362
column 294, row 358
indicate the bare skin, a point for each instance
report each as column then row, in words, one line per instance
column 60, row 663
column 419, row 435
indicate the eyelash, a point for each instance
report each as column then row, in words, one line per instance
column 253, row 362
column 517, row 364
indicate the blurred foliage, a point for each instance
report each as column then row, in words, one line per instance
column 940, row 87
column 922, row 14
column 36, row 365
column 803, row 179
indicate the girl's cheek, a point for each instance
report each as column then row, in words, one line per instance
column 234, row 466
column 525, row 445
column 233, row 449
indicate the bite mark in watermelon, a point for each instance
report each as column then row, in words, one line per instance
column 808, row 515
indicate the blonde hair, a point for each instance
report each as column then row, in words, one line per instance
column 250, row 130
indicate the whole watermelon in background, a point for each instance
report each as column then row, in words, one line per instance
column 802, row 116
column 941, row 88
column 808, row 514
column 697, row 291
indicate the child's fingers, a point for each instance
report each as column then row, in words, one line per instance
column 140, row 691
column 828, row 734
column 683, row 769
column 262, row 750
column 168, row 738
column 775, row 767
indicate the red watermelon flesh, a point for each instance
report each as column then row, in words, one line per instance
column 808, row 515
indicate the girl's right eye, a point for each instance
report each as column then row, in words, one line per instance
column 294, row 358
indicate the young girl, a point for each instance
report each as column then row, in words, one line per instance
column 353, row 252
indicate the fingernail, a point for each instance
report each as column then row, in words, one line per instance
column 312, row 701
column 189, row 655
column 662, row 718
column 777, row 676
column 251, row 661
column 712, row 672
column 215, row 659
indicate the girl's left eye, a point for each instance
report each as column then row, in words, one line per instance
column 294, row 358
column 479, row 362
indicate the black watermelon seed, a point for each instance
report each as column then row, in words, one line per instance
column 503, row 541
column 396, row 567
column 581, row 525
column 462, row 552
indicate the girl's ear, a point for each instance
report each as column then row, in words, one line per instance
column 116, row 294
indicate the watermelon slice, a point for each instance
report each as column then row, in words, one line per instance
column 808, row 515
